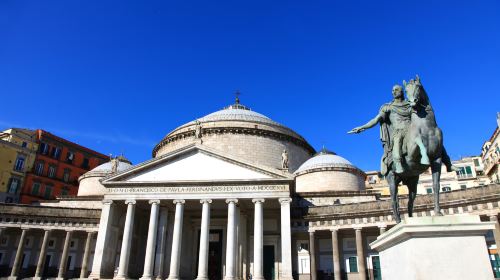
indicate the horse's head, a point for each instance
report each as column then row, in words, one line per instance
column 415, row 92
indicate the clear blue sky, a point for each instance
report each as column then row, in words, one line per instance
column 117, row 76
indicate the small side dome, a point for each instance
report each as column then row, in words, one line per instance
column 326, row 171
column 90, row 184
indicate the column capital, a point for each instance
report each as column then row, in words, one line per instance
column 107, row 201
column 382, row 226
column 233, row 200
column 24, row 228
column 258, row 200
column 311, row 231
column 358, row 228
column 334, row 229
column 48, row 229
column 494, row 217
column 130, row 201
column 203, row 201
column 285, row 200
column 177, row 201
column 154, row 201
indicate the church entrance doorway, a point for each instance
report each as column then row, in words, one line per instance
column 214, row 254
column 269, row 262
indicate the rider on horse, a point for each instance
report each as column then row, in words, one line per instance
column 394, row 119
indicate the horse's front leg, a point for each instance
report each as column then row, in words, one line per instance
column 423, row 151
column 412, row 193
column 436, row 175
column 393, row 187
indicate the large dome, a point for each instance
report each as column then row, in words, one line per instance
column 90, row 182
column 243, row 133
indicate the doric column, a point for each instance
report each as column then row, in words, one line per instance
column 258, row 240
column 126, row 241
column 102, row 240
column 64, row 257
column 496, row 231
column 151, row 241
column 43, row 253
column 336, row 254
column 175, row 257
column 161, row 251
column 360, row 253
column 286, row 240
column 382, row 228
column 204, row 240
column 19, row 255
column 243, row 246
column 312, row 254
column 231, row 240
column 86, row 255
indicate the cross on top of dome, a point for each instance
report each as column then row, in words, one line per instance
column 237, row 104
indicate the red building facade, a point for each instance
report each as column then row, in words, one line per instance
column 58, row 164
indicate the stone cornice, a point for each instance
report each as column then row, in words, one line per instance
column 172, row 137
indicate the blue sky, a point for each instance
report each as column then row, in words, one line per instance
column 117, row 76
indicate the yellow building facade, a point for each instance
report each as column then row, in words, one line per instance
column 17, row 155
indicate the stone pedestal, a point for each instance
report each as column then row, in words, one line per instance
column 435, row 248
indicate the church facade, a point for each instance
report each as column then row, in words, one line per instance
column 231, row 195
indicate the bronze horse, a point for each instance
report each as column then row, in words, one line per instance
column 424, row 146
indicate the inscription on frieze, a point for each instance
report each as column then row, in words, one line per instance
column 199, row 189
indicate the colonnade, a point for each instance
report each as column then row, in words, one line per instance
column 233, row 254
column 43, row 252
column 360, row 252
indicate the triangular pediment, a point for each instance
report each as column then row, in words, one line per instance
column 195, row 164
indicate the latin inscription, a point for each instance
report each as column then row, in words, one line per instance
column 200, row 189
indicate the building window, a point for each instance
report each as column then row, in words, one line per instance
column 464, row 172
column 428, row 190
column 353, row 264
column 39, row 168
column 48, row 192
column 69, row 157
column 35, row 188
column 446, row 188
column 52, row 243
column 476, row 162
column 24, row 144
column 463, row 187
column 52, row 171
column 44, row 148
column 14, row 184
column 56, row 152
column 19, row 166
column 65, row 191
column 66, row 175
column 85, row 163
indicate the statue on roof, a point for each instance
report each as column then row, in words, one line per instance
column 284, row 159
column 114, row 163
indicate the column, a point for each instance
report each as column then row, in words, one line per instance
column 286, row 240
column 382, row 228
column 102, row 240
column 19, row 255
column 43, row 253
column 231, row 240
column 496, row 231
column 64, row 257
column 204, row 240
column 126, row 240
column 237, row 246
column 161, row 251
column 2, row 229
column 258, row 240
column 336, row 254
column 243, row 246
column 86, row 255
column 175, row 257
column 360, row 253
column 151, row 241
column 312, row 254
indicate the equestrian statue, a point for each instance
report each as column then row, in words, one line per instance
column 412, row 143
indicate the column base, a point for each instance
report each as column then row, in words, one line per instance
column 147, row 278
column 258, row 278
column 202, row 278
column 12, row 278
column 121, row 278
